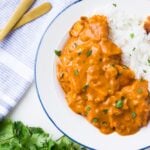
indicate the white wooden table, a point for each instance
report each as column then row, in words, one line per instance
column 30, row 112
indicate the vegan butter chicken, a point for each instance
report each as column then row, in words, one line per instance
column 97, row 84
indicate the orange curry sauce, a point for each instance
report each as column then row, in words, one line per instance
column 97, row 85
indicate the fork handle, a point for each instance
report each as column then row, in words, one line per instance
column 34, row 14
column 19, row 12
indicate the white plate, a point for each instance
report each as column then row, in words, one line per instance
column 51, row 95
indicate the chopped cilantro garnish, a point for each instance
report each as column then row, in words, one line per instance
column 142, row 79
column 58, row 52
column 112, row 65
column 85, row 87
column 115, row 5
column 119, row 103
column 104, row 123
column 133, row 114
column 88, row 108
column 89, row 53
column 139, row 90
column 132, row 35
column 95, row 120
column 76, row 72
column 134, row 49
column 148, row 61
column 105, row 111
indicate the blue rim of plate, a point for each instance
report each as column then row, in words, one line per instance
column 35, row 74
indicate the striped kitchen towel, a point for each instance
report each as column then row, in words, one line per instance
column 18, row 50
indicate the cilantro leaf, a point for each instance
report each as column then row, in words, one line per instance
column 6, row 131
column 17, row 136
column 66, row 144
column 58, row 52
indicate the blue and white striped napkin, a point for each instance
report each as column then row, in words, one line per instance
column 18, row 50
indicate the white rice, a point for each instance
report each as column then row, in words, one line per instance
column 136, row 50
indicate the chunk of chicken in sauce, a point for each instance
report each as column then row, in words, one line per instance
column 129, row 108
column 94, row 79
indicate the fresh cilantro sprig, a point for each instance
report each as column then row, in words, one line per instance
column 17, row 136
